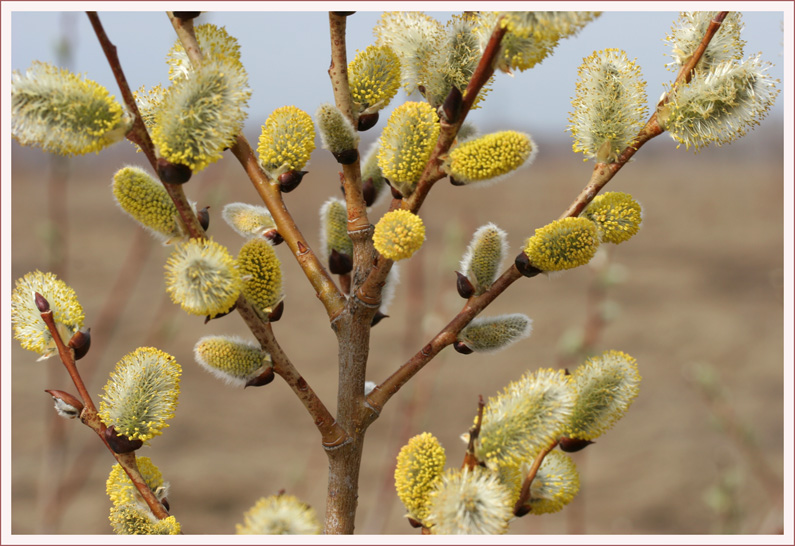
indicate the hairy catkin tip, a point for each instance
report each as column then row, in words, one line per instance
column 280, row 515
column 231, row 359
column 261, row 269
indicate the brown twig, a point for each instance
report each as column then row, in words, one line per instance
column 91, row 419
column 139, row 135
column 369, row 291
column 601, row 175
column 332, row 434
column 524, row 495
column 470, row 460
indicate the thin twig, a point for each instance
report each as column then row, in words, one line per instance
column 332, row 434
column 139, row 135
column 524, row 495
column 601, row 175
column 91, row 419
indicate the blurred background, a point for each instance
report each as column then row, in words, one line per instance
column 696, row 298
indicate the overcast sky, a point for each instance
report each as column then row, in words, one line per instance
column 286, row 53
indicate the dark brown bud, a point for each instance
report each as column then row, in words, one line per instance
column 464, row 286
column 524, row 266
column 204, row 217
column 65, row 404
column 572, row 445
column 120, row 443
column 455, row 182
column 367, row 121
column 343, row 13
column 41, row 302
column 172, row 173
column 395, row 193
column 522, row 511
column 378, row 317
column 462, row 348
column 289, row 181
column 262, row 379
column 414, row 523
column 185, row 15
column 346, row 157
column 368, row 192
column 81, row 342
column 277, row 312
column 273, row 236
column 421, row 89
column 165, row 503
column 208, row 318
column 451, row 107
column 339, row 263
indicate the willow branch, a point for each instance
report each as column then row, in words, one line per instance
column 601, row 175
column 446, row 336
column 90, row 418
column 332, row 434
column 338, row 72
column 138, row 133
column 270, row 193
column 604, row 172
column 369, row 291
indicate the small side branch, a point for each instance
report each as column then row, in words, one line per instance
column 90, row 418
column 139, row 135
column 332, row 434
column 524, row 496
column 604, row 172
column 447, row 336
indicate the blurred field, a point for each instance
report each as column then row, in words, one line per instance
column 704, row 285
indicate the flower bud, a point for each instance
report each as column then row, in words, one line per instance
column 261, row 270
column 277, row 312
column 334, row 230
column 406, row 144
column 573, row 445
column 465, row 288
column 419, row 467
column 398, row 234
column 489, row 158
column 26, row 309
column 524, row 266
column 64, row 113
column 202, row 115
column 187, row 15
column 492, row 334
column 462, row 347
column 372, row 176
column 141, row 395
column 286, row 141
column 172, row 173
column 451, row 108
column 616, row 214
column 248, row 220
column 203, row 278
column 366, row 121
column 337, row 133
column 526, row 417
column 81, row 342
column 339, row 264
column 606, row 386
column 374, row 78
column 66, row 405
column 119, row 443
column 265, row 378
column 563, row 244
column 233, row 360
column 203, row 216
column 289, row 181
column 484, row 256
column 280, row 515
